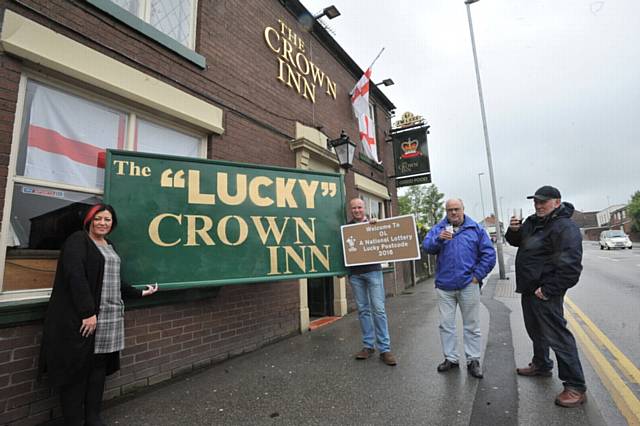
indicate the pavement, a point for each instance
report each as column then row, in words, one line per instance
column 313, row 379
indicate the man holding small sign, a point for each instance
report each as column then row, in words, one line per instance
column 368, row 289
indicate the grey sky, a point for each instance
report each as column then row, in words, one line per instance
column 561, row 82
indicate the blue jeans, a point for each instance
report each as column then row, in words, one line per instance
column 547, row 328
column 368, row 290
column 469, row 300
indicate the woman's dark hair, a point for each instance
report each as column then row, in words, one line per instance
column 94, row 210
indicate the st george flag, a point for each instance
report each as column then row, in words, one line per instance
column 360, row 103
column 67, row 138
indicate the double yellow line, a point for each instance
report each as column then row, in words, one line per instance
column 614, row 376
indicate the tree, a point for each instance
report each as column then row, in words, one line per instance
column 634, row 211
column 425, row 202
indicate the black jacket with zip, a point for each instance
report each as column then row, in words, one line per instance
column 549, row 252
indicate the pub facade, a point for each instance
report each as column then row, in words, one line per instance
column 258, row 83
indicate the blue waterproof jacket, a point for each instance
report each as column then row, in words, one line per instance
column 469, row 254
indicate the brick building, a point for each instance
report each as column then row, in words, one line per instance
column 620, row 219
column 588, row 224
column 249, row 82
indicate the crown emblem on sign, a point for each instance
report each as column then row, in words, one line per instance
column 409, row 148
column 409, row 119
column 352, row 244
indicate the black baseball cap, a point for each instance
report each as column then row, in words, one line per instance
column 545, row 193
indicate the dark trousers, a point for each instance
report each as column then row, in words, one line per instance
column 82, row 399
column 547, row 328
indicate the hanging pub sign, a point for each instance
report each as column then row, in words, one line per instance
column 185, row 222
column 411, row 155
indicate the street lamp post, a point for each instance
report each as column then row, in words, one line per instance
column 501, row 210
column 484, row 216
column 487, row 145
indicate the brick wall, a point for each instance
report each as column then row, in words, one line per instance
column 20, row 397
column 161, row 342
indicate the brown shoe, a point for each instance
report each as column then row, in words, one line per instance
column 365, row 353
column 533, row 370
column 388, row 358
column 571, row 398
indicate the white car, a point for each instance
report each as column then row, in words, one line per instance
column 614, row 239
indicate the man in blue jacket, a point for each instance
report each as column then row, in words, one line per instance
column 465, row 258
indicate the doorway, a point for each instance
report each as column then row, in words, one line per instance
column 320, row 296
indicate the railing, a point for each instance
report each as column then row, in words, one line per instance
column 425, row 267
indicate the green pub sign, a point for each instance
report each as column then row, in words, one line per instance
column 186, row 222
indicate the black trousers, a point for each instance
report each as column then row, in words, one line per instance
column 82, row 398
column 547, row 328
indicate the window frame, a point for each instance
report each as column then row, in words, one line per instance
column 83, row 91
column 146, row 17
column 144, row 27
column 369, row 199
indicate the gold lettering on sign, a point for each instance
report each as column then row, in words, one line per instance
column 285, row 257
column 408, row 119
column 154, row 229
column 203, row 232
column 295, row 70
column 304, row 257
column 222, row 230
column 259, row 190
column 254, row 191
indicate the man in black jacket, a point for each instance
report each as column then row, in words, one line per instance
column 548, row 263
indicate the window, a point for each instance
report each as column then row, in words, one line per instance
column 60, row 171
column 372, row 114
column 64, row 137
column 158, row 139
column 175, row 18
column 374, row 206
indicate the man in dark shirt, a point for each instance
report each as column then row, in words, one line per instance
column 548, row 263
column 368, row 290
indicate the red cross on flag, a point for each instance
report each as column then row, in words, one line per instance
column 360, row 103
column 67, row 137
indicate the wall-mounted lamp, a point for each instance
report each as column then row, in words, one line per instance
column 386, row 82
column 344, row 149
column 330, row 12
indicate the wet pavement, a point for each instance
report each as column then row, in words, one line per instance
column 313, row 379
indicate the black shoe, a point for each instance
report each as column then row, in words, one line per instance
column 447, row 365
column 473, row 367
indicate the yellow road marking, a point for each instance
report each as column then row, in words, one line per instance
column 625, row 363
column 623, row 397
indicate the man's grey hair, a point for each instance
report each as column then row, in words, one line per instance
column 454, row 199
